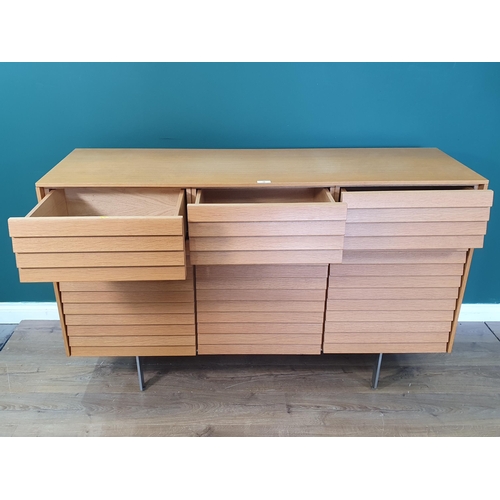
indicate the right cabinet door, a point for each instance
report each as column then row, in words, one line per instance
column 404, row 254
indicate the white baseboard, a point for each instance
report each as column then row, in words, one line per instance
column 14, row 312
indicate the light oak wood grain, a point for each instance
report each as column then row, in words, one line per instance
column 130, row 308
column 260, row 317
column 391, row 305
column 416, row 229
column 439, row 198
column 386, row 348
column 132, row 341
column 244, row 272
column 125, row 330
column 283, row 228
column 395, row 281
column 262, row 284
column 266, row 257
column 355, row 326
column 412, row 242
column 257, row 339
column 364, row 215
column 136, row 286
column 397, row 270
column 129, row 319
column 384, row 315
column 391, row 293
column 134, row 351
column 259, row 306
column 127, row 297
column 404, row 257
column 102, row 273
column 183, row 168
column 385, row 337
column 258, row 349
column 254, row 328
column 271, row 295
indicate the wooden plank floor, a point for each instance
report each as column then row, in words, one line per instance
column 44, row 393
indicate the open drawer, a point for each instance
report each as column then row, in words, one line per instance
column 416, row 219
column 266, row 226
column 102, row 234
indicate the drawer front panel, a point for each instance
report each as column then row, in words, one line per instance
column 260, row 309
column 112, row 318
column 389, row 304
column 423, row 219
column 266, row 227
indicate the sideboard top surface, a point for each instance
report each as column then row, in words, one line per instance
column 205, row 168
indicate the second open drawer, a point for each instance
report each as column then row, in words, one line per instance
column 266, row 226
column 102, row 234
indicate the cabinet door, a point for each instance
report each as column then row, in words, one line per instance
column 266, row 226
column 102, row 235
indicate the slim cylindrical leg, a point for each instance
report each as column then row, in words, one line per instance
column 376, row 371
column 139, row 373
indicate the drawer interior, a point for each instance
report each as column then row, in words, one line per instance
column 117, row 202
column 264, row 195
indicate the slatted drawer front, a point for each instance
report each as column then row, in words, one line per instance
column 102, row 235
column 153, row 318
column 260, row 309
column 387, row 303
column 266, row 226
column 420, row 219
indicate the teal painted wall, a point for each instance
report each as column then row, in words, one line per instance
column 47, row 110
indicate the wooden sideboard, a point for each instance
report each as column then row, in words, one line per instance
column 168, row 252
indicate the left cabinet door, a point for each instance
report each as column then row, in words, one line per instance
column 102, row 234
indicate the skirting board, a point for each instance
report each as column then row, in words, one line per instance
column 14, row 312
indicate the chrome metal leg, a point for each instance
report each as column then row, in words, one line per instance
column 376, row 372
column 139, row 373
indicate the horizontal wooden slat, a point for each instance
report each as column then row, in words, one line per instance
column 262, row 283
column 266, row 212
column 296, row 295
column 265, row 317
column 96, row 226
column 132, row 286
column 134, row 351
column 418, row 199
column 385, row 337
column 382, row 327
column 391, row 293
column 127, row 297
column 251, row 243
column 98, row 244
column 356, row 215
column 420, row 347
column 129, row 319
column 253, row 328
column 411, row 242
column 391, row 305
column 259, row 339
column 259, row 349
column 130, row 308
column 123, row 330
column 395, row 281
column 100, row 259
column 389, row 315
column 396, row 269
column 259, row 306
column 275, row 271
column 266, row 257
column 416, row 229
column 131, row 340
column 101, row 273
column 295, row 228
column 404, row 257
